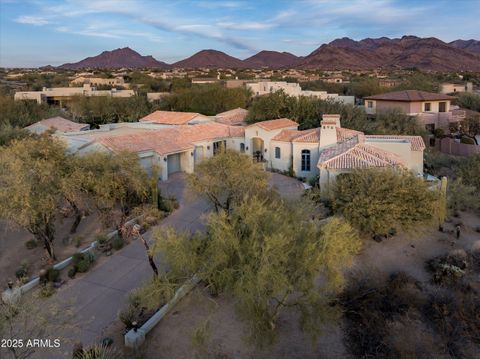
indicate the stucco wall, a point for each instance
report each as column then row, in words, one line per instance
column 282, row 163
column 297, row 159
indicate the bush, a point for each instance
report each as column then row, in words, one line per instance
column 439, row 133
column 47, row 291
column 467, row 140
column 50, row 275
column 168, row 204
column 83, row 266
column 130, row 315
column 376, row 200
column 118, row 243
column 72, row 272
column 21, row 273
column 77, row 240
column 101, row 239
column 77, row 258
column 32, row 243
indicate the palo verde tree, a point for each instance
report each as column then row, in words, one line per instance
column 113, row 181
column 30, row 183
column 226, row 178
column 266, row 256
column 377, row 200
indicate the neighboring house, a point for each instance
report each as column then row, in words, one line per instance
column 59, row 124
column 175, row 118
column 156, row 96
column 205, row 80
column 98, row 81
column 293, row 89
column 447, row 87
column 235, row 117
column 58, row 95
column 432, row 109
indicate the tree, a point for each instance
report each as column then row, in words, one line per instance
column 396, row 122
column 267, row 257
column 30, row 173
column 227, row 178
column 113, row 181
column 377, row 200
column 469, row 127
column 469, row 170
column 469, row 100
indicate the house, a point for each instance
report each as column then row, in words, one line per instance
column 432, row 109
column 261, row 88
column 448, row 87
column 235, row 117
column 175, row 118
column 98, row 81
column 323, row 152
column 59, row 124
column 58, row 95
column 172, row 149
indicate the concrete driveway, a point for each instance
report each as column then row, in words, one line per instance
column 96, row 298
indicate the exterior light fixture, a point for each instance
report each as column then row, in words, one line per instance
column 265, row 150
column 191, row 154
column 165, row 159
column 246, row 148
column 208, row 147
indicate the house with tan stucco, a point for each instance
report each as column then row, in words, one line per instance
column 433, row 110
column 323, row 152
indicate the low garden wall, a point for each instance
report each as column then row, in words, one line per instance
column 9, row 293
column 136, row 337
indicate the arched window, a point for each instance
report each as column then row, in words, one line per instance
column 277, row 152
column 242, row 147
column 306, row 160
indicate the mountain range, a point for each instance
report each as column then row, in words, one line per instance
column 340, row 54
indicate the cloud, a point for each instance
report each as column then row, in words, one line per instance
column 32, row 20
column 245, row 25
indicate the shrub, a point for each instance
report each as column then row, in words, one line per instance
column 118, row 243
column 50, row 275
column 32, row 243
column 83, row 266
column 77, row 240
column 467, row 140
column 375, row 201
column 168, row 204
column 439, row 133
column 130, row 315
column 72, row 272
column 47, row 291
column 77, row 258
column 21, row 273
column 101, row 239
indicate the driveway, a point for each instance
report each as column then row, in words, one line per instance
column 95, row 299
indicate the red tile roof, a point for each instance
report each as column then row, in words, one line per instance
column 312, row 135
column 275, row 124
column 232, row 117
column 346, row 133
column 416, row 142
column 170, row 140
column 352, row 154
column 61, row 124
column 171, row 117
column 409, row 96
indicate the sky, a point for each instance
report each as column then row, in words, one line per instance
column 40, row 32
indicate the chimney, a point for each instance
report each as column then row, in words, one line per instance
column 328, row 131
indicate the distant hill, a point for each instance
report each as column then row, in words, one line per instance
column 406, row 52
column 469, row 45
column 429, row 54
column 210, row 59
column 119, row 58
column 271, row 59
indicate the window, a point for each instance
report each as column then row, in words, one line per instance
column 370, row 104
column 242, row 147
column 277, row 152
column 442, row 107
column 306, row 160
column 428, row 106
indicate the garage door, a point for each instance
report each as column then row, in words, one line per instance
column 173, row 163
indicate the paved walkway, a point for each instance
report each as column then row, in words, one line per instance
column 96, row 298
